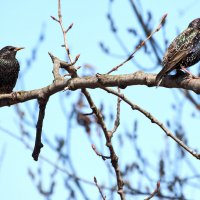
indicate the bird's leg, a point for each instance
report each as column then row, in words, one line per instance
column 188, row 72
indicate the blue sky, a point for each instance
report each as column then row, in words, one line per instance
column 21, row 24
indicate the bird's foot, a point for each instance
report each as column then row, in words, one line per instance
column 191, row 77
column 184, row 75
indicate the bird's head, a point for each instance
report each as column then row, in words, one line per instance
column 195, row 24
column 9, row 52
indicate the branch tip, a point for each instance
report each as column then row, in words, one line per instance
column 70, row 26
column 77, row 57
column 55, row 19
column 162, row 21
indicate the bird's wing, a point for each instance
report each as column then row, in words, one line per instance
column 179, row 49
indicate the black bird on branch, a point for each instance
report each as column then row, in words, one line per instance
column 183, row 52
column 9, row 68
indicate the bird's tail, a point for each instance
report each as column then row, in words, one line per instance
column 160, row 76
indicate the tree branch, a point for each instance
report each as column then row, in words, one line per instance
column 117, row 119
column 121, row 81
column 140, row 45
column 38, row 144
column 99, row 188
column 96, row 111
column 108, row 137
column 156, row 191
column 154, row 120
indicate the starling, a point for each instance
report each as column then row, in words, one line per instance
column 183, row 52
column 9, row 68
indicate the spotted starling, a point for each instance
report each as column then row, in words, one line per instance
column 9, row 68
column 183, row 52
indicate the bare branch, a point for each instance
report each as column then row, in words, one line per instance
column 155, row 47
column 122, row 81
column 154, row 120
column 55, row 19
column 113, row 156
column 103, row 197
column 154, row 192
column 139, row 46
column 56, row 67
column 62, row 64
column 99, row 154
column 64, row 31
column 38, row 144
column 117, row 119
column 70, row 26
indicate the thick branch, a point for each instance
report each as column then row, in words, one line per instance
column 122, row 81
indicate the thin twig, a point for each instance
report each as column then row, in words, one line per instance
column 154, row 192
column 59, row 20
column 70, row 26
column 117, row 119
column 140, row 45
column 99, row 154
column 64, row 31
column 103, row 197
column 153, row 120
column 155, row 47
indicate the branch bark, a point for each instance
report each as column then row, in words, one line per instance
column 121, row 81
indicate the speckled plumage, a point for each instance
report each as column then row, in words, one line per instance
column 184, row 51
column 9, row 69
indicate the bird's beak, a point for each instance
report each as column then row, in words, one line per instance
column 18, row 48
